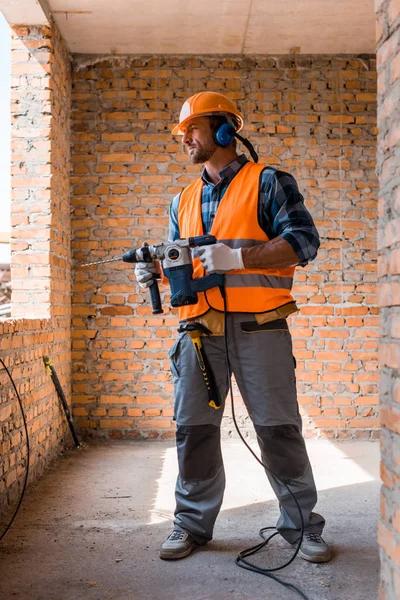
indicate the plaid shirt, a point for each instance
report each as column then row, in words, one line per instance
column 281, row 210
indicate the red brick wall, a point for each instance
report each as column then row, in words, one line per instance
column 388, row 65
column 23, row 344
column 313, row 116
column 40, row 261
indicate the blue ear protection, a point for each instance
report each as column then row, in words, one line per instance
column 225, row 134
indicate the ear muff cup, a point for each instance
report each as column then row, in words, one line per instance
column 225, row 134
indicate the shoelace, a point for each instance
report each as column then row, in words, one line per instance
column 313, row 537
column 177, row 534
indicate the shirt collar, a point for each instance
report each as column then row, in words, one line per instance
column 227, row 173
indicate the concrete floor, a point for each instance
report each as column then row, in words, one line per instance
column 91, row 529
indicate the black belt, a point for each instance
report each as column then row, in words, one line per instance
column 250, row 326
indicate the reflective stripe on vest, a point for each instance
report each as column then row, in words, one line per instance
column 236, row 225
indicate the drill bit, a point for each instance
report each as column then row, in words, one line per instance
column 101, row 262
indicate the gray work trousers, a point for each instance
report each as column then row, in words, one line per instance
column 264, row 368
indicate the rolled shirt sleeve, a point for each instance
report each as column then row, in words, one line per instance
column 282, row 213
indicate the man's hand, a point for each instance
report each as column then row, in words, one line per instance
column 144, row 273
column 219, row 258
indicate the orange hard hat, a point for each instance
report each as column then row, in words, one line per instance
column 205, row 104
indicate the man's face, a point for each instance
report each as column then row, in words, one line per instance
column 198, row 140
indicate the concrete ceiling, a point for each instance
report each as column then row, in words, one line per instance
column 206, row 26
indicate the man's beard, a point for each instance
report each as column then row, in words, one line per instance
column 203, row 154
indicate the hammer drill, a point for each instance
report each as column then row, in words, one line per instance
column 177, row 265
column 176, row 258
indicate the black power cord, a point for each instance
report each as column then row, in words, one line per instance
column 27, row 452
column 241, row 558
column 61, row 396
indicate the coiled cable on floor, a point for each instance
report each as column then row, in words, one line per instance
column 27, row 452
column 241, row 558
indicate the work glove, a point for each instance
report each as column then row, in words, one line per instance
column 219, row 258
column 144, row 273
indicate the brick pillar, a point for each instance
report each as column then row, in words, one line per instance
column 388, row 62
column 40, row 108
column 40, row 206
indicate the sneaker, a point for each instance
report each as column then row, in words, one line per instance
column 177, row 545
column 314, row 549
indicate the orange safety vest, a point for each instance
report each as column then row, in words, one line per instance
column 236, row 225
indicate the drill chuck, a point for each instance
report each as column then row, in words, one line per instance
column 130, row 257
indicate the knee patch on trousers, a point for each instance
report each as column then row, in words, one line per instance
column 199, row 451
column 283, row 450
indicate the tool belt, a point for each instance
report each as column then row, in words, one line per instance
column 213, row 320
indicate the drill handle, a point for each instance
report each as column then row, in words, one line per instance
column 155, row 298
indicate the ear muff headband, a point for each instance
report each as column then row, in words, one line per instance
column 225, row 135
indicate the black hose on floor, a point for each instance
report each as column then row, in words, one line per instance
column 27, row 452
column 61, row 395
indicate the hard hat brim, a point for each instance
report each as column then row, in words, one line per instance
column 177, row 130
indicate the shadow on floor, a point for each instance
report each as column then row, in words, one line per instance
column 91, row 530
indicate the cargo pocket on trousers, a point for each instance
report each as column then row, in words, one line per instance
column 173, row 357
